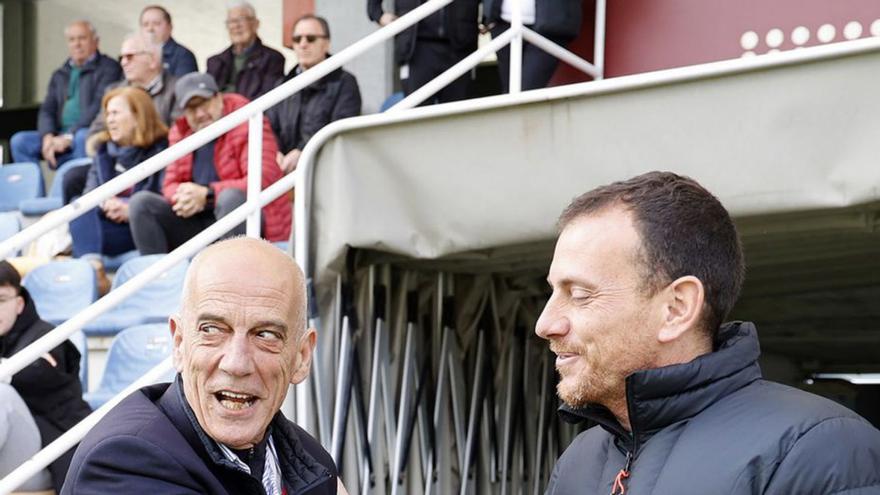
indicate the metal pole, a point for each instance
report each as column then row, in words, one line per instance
column 343, row 393
column 255, row 169
column 599, row 40
column 516, row 48
column 561, row 53
column 405, row 393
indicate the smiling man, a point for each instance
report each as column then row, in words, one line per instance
column 239, row 342
column 644, row 273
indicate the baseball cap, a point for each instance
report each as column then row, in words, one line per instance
column 192, row 85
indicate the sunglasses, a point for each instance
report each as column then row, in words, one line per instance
column 310, row 38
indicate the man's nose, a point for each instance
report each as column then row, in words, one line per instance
column 237, row 359
column 551, row 323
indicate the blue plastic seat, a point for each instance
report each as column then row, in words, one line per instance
column 40, row 206
column 153, row 303
column 114, row 263
column 19, row 181
column 61, row 289
column 393, row 99
column 134, row 351
column 9, row 225
column 82, row 345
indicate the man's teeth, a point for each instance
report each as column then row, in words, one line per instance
column 235, row 401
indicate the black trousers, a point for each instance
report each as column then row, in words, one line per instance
column 430, row 59
column 74, row 183
column 538, row 66
column 157, row 229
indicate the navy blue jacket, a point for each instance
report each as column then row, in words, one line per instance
column 556, row 18
column 713, row 425
column 151, row 443
column 95, row 76
column 177, row 59
column 103, row 168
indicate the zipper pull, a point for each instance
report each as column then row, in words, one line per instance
column 618, row 488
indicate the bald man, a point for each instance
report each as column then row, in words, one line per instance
column 71, row 103
column 239, row 341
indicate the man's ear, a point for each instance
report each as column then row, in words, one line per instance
column 682, row 308
column 302, row 358
column 177, row 341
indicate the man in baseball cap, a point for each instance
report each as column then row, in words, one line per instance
column 207, row 184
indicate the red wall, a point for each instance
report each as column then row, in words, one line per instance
column 291, row 11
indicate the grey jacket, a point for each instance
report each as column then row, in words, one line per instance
column 713, row 425
column 163, row 98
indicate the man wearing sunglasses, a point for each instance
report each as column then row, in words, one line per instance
column 336, row 96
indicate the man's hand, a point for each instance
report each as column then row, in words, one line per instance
column 189, row 199
column 53, row 145
column 387, row 18
column 115, row 209
column 288, row 162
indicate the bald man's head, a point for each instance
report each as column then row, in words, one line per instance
column 82, row 41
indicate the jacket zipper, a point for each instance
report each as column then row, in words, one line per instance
column 619, row 486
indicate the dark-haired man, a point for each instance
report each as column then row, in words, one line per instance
column 336, row 96
column 177, row 59
column 644, row 273
column 50, row 385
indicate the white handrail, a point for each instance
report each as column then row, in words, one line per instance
column 213, row 131
column 72, row 436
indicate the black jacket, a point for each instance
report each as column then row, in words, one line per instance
column 557, row 18
column 177, row 59
column 713, row 425
column 151, row 443
column 458, row 23
column 296, row 119
column 263, row 67
column 96, row 75
column 52, row 393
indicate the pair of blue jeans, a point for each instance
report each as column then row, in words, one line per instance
column 27, row 146
column 93, row 233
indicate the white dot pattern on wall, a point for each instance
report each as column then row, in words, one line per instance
column 852, row 30
column 774, row 38
column 800, row 35
column 826, row 33
column 749, row 40
column 747, row 54
column 875, row 28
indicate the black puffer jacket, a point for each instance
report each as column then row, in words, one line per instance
column 297, row 118
column 713, row 425
column 52, row 393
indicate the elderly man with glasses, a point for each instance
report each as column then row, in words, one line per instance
column 336, row 96
column 247, row 67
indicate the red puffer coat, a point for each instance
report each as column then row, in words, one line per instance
column 230, row 160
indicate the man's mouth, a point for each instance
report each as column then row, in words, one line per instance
column 234, row 401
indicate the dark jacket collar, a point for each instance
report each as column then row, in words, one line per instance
column 90, row 64
column 299, row 469
column 25, row 320
column 659, row 397
column 320, row 83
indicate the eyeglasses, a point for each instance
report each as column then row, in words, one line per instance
column 235, row 21
column 7, row 299
column 129, row 56
column 310, row 38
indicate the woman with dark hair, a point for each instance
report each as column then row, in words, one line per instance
column 134, row 133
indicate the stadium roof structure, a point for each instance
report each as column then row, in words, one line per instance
column 787, row 141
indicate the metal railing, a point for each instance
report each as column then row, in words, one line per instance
column 256, row 199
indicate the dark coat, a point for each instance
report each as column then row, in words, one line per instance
column 556, row 18
column 52, row 393
column 262, row 69
column 178, row 59
column 713, row 425
column 96, row 75
column 297, row 118
column 151, row 443
column 103, row 168
column 459, row 22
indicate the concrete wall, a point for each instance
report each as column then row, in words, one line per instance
column 199, row 25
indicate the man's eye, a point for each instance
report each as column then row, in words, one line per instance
column 269, row 335
column 580, row 295
column 209, row 329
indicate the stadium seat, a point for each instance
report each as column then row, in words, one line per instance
column 113, row 263
column 9, row 225
column 61, row 289
column 82, row 345
column 40, row 206
column 134, row 351
column 153, row 303
column 19, row 181
column 392, row 100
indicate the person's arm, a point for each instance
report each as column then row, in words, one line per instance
column 836, row 456
column 271, row 172
column 348, row 104
column 128, row 464
column 187, row 62
column 50, row 110
column 274, row 72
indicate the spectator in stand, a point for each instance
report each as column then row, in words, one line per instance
column 134, row 133
column 435, row 44
column 209, row 183
column 19, row 439
column 247, row 67
column 71, row 103
column 142, row 65
column 50, row 385
column 177, row 59
column 336, row 96
column 559, row 21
